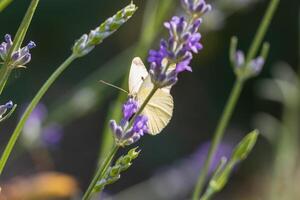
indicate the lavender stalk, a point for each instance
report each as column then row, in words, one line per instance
column 81, row 47
column 225, row 168
column 244, row 69
column 152, row 20
column 10, row 50
column 173, row 57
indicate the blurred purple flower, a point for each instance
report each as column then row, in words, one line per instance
column 36, row 117
column 239, row 59
column 250, row 69
column 181, row 177
column 33, row 126
column 196, row 7
column 257, row 64
column 178, row 179
column 52, row 135
column 39, row 113
column 35, row 134
column 224, row 150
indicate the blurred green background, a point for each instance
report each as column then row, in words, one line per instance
column 199, row 96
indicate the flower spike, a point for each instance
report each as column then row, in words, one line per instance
column 87, row 42
column 18, row 58
column 175, row 54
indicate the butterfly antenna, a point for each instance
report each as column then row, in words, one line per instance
column 111, row 85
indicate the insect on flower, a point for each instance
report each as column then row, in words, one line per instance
column 159, row 109
column 154, row 116
column 150, row 103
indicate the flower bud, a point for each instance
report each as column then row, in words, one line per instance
column 87, row 42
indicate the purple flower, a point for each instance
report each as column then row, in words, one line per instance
column 52, row 135
column 116, row 129
column 124, row 132
column 5, row 107
column 18, row 58
column 129, row 108
column 35, row 120
column 224, row 150
column 183, row 41
column 257, row 64
column 197, row 8
column 140, row 125
column 33, row 126
column 176, row 26
column 184, row 64
column 128, row 135
column 9, row 105
column 39, row 113
column 157, row 56
column 239, row 59
column 193, row 44
column 245, row 70
column 173, row 57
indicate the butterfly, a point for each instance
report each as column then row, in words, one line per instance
column 159, row 109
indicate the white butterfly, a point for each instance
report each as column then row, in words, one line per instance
column 159, row 109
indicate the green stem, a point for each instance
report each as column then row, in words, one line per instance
column 4, row 4
column 155, row 13
column 218, row 135
column 261, row 32
column 20, row 35
column 207, row 195
column 30, row 108
column 100, row 172
column 17, row 42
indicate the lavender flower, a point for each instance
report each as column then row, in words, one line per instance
column 175, row 53
column 140, row 125
column 129, row 108
column 246, row 70
column 257, row 64
column 35, row 133
column 18, row 58
column 5, row 107
column 173, row 57
column 196, row 8
column 124, row 134
column 239, row 60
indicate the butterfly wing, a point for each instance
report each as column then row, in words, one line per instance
column 137, row 75
column 159, row 109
